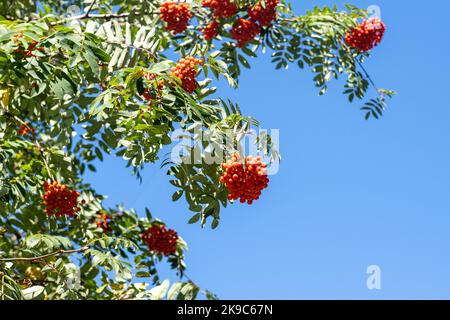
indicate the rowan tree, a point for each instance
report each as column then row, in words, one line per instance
column 115, row 79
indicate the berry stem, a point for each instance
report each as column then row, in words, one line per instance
column 366, row 73
column 368, row 76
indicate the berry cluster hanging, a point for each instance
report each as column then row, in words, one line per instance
column 24, row 129
column 154, row 87
column 161, row 240
column 244, row 180
column 265, row 15
column 244, row 29
column 186, row 70
column 366, row 35
column 60, row 200
column 221, row 8
column 211, row 30
column 29, row 51
column 103, row 222
column 176, row 15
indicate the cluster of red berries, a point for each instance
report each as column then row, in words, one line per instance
column 32, row 46
column 154, row 91
column 244, row 31
column 60, row 200
column 366, row 35
column 177, row 16
column 211, row 30
column 24, row 129
column 265, row 15
column 103, row 221
column 244, row 181
column 186, row 70
column 221, row 8
column 26, row 53
column 161, row 240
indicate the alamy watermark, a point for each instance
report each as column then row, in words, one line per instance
column 374, row 278
column 374, row 11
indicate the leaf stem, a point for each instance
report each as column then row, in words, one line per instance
column 104, row 16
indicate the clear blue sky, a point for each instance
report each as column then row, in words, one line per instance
column 349, row 194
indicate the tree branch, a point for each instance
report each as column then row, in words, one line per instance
column 90, row 8
column 45, row 256
column 104, row 16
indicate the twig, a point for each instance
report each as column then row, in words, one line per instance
column 12, row 18
column 366, row 73
column 56, row 253
column 90, row 8
column 105, row 16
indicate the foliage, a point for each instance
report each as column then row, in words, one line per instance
column 76, row 84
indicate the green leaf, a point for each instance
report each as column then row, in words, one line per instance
column 195, row 218
column 92, row 60
column 100, row 53
column 32, row 292
column 158, row 292
column 143, row 274
column 160, row 67
column 174, row 291
column 177, row 195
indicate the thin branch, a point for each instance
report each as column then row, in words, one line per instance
column 366, row 73
column 368, row 76
column 105, row 16
column 45, row 256
column 12, row 18
column 90, row 8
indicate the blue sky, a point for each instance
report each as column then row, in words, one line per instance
column 349, row 193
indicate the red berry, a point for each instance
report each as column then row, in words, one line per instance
column 60, row 200
column 161, row 240
column 154, row 91
column 32, row 46
column 211, row 30
column 366, row 35
column 249, row 178
column 221, row 8
column 244, row 31
column 186, row 70
column 264, row 15
column 103, row 222
column 24, row 129
column 177, row 16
